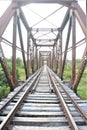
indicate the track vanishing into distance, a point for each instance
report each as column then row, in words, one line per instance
column 43, row 102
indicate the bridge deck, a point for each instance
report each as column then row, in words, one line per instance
column 41, row 109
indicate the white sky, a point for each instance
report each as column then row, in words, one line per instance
column 42, row 10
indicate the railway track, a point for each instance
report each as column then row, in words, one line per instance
column 43, row 102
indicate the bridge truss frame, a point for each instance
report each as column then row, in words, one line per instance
column 57, row 62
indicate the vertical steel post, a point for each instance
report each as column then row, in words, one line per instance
column 54, row 66
column 38, row 54
column 22, row 46
column 39, row 60
column 86, row 7
column 53, row 58
column 57, row 58
column 36, row 58
column 82, row 19
column 28, row 53
column 66, row 45
column 73, row 47
column 33, row 59
column 58, row 61
column 60, row 55
column 48, row 58
column 14, row 48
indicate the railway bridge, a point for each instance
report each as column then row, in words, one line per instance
column 44, row 101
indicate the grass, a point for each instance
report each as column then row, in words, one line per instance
column 4, row 91
column 81, row 91
column 82, row 87
column 21, row 74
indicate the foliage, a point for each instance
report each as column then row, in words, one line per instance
column 4, row 87
column 67, row 71
column 20, row 73
column 3, row 80
column 82, row 88
column 4, row 90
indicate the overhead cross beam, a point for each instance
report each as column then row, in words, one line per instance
column 62, row 2
column 45, row 45
column 44, row 29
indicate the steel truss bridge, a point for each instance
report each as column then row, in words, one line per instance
column 43, row 101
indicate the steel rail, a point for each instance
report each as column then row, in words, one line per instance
column 51, row 88
column 81, row 112
column 10, row 115
column 70, row 119
column 21, row 87
column 34, row 88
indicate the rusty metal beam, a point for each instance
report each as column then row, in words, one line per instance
column 26, row 25
column 22, row 46
column 56, row 47
column 28, row 49
column 6, row 69
column 80, row 72
column 66, row 45
column 36, row 57
column 53, row 58
column 14, row 49
column 4, row 21
column 32, row 60
column 55, row 42
column 82, row 19
column 65, row 20
column 73, row 47
column 6, row 17
column 60, row 55
column 7, row 73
